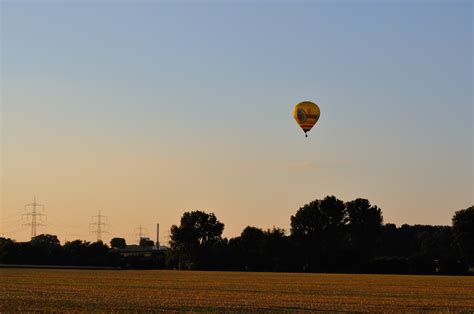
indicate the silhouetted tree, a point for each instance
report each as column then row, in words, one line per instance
column 46, row 240
column 463, row 226
column 6, row 245
column 118, row 243
column 318, row 229
column 250, row 245
column 76, row 252
column 422, row 248
column 364, row 226
column 258, row 250
column 96, row 253
column 277, row 252
column 195, row 241
column 46, row 249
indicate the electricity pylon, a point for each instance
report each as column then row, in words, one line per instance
column 141, row 233
column 34, row 214
column 98, row 225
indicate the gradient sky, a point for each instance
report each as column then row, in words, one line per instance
column 146, row 110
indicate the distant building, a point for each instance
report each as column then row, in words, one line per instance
column 143, row 257
column 137, row 250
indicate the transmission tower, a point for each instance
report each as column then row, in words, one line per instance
column 98, row 225
column 34, row 214
column 141, row 233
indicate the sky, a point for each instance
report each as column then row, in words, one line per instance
column 144, row 110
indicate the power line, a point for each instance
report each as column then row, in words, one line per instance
column 7, row 224
column 34, row 214
column 12, row 231
column 98, row 225
column 4, row 219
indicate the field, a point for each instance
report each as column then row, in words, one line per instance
column 115, row 290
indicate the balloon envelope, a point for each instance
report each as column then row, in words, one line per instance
column 306, row 114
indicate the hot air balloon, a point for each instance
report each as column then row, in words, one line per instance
column 306, row 114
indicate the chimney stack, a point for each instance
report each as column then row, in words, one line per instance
column 158, row 235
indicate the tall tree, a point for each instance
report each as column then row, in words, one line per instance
column 276, row 250
column 463, row 226
column 364, row 226
column 194, row 241
column 251, row 248
column 319, row 228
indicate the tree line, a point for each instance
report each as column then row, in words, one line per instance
column 327, row 235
